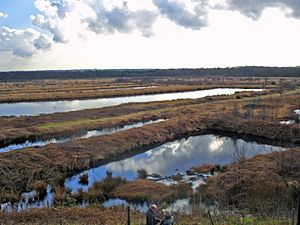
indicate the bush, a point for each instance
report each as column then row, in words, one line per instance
column 41, row 189
column 84, row 179
column 142, row 174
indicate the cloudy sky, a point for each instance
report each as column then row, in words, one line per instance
column 73, row 34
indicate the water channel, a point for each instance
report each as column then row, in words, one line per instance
column 48, row 107
column 90, row 133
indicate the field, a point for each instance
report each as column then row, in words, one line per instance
column 252, row 116
column 43, row 90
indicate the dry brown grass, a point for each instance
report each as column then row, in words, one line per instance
column 19, row 170
column 263, row 107
column 204, row 168
column 42, row 90
column 260, row 184
column 68, row 216
column 118, row 216
column 145, row 190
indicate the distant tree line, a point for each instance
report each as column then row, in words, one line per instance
column 248, row 71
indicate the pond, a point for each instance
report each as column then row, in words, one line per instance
column 48, row 107
column 180, row 205
column 173, row 158
column 91, row 133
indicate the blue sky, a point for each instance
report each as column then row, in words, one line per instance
column 19, row 12
column 73, row 34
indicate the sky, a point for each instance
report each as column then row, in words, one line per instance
column 115, row 34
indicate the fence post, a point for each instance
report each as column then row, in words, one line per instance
column 60, row 222
column 211, row 220
column 128, row 215
column 293, row 216
column 298, row 219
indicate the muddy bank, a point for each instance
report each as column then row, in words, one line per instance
column 21, row 170
column 260, row 131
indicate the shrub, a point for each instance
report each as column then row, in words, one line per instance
column 84, row 179
column 142, row 174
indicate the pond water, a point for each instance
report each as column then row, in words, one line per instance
column 180, row 205
column 91, row 133
column 173, row 158
column 48, row 107
column 29, row 201
column 297, row 111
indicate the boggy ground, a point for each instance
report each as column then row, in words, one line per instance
column 17, row 129
column 248, row 104
column 118, row 216
column 246, row 116
column 50, row 90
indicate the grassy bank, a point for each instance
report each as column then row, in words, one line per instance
column 265, row 184
column 262, row 106
column 118, row 216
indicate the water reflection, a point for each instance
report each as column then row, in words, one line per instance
column 180, row 205
column 297, row 111
column 36, row 108
column 29, row 201
column 168, row 159
column 91, row 133
column 174, row 157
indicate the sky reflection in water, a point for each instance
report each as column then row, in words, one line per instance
column 36, row 108
column 173, row 157
column 91, row 133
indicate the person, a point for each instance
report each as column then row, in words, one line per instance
column 168, row 220
column 151, row 219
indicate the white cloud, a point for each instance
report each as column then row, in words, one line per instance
column 254, row 8
column 42, row 43
column 3, row 15
column 155, row 33
column 50, row 20
column 70, row 19
column 121, row 19
column 177, row 12
column 67, row 19
column 51, row 25
column 23, row 43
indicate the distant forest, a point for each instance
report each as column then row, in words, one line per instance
column 249, row 71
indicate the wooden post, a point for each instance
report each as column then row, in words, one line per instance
column 293, row 216
column 128, row 215
column 298, row 220
column 60, row 222
column 211, row 220
column 194, row 202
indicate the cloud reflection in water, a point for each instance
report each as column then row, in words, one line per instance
column 173, row 157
